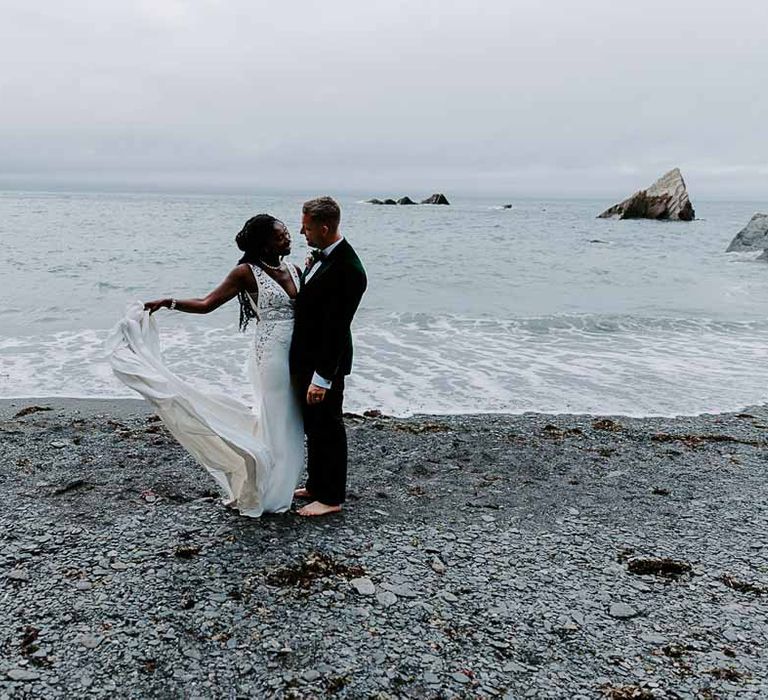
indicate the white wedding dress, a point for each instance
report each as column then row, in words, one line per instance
column 256, row 455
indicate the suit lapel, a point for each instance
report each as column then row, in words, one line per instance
column 326, row 264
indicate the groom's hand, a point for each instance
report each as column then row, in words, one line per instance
column 315, row 394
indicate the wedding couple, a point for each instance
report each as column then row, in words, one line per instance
column 301, row 353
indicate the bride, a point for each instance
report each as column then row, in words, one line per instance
column 255, row 455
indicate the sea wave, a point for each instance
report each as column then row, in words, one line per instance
column 425, row 363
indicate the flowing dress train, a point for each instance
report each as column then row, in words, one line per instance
column 255, row 455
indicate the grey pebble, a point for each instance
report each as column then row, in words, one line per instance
column 437, row 565
column 460, row 677
column 386, row 598
column 22, row 674
column 18, row 575
column 622, row 611
column 89, row 641
column 364, row 586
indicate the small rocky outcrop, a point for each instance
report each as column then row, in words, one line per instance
column 405, row 200
column 665, row 199
column 380, row 201
column 507, row 206
column 437, row 198
column 754, row 236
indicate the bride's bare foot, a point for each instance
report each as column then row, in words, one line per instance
column 317, row 508
column 302, row 493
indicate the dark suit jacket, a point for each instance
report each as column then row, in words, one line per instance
column 322, row 341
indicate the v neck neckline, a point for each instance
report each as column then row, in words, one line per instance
column 280, row 286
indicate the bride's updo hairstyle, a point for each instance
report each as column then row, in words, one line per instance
column 254, row 237
column 253, row 240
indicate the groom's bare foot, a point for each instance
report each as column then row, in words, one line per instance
column 317, row 508
column 302, row 493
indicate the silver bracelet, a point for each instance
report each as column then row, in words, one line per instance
column 172, row 307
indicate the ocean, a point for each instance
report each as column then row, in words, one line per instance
column 470, row 308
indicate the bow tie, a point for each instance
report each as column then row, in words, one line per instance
column 318, row 255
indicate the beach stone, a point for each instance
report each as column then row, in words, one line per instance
column 403, row 591
column 653, row 638
column 754, row 236
column 22, row 674
column 18, row 575
column 57, row 444
column 364, row 586
column 667, row 199
column 311, row 676
column 622, row 611
column 437, row 565
column 89, row 641
column 460, row 677
column 386, row 598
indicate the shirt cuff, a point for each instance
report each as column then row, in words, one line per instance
column 320, row 381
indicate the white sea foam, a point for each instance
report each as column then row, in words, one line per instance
column 418, row 363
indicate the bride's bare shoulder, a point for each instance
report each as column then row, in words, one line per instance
column 243, row 273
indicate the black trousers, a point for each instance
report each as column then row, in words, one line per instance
column 326, row 441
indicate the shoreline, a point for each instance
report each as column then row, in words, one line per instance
column 128, row 405
column 555, row 556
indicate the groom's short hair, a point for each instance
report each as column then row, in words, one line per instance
column 324, row 210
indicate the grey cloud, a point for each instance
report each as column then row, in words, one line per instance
column 532, row 97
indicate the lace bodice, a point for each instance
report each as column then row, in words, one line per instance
column 272, row 302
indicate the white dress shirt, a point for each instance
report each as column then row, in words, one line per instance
column 317, row 380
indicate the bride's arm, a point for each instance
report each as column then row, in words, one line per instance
column 234, row 283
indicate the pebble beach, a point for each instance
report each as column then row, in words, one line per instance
column 482, row 556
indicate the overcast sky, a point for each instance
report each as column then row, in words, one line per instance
column 528, row 97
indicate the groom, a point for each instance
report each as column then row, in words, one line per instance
column 321, row 352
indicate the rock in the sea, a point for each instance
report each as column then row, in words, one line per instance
column 389, row 201
column 754, row 236
column 437, row 198
column 405, row 200
column 374, row 201
column 667, row 199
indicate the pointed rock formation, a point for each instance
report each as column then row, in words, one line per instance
column 436, row 199
column 405, row 200
column 754, row 236
column 667, row 198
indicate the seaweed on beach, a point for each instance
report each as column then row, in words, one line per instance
column 315, row 566
column 694, row 441
column 658, row 566
column 554, row 433
column 31, row 409
column 607, row 424
column 627, row 692
column 743, row 586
